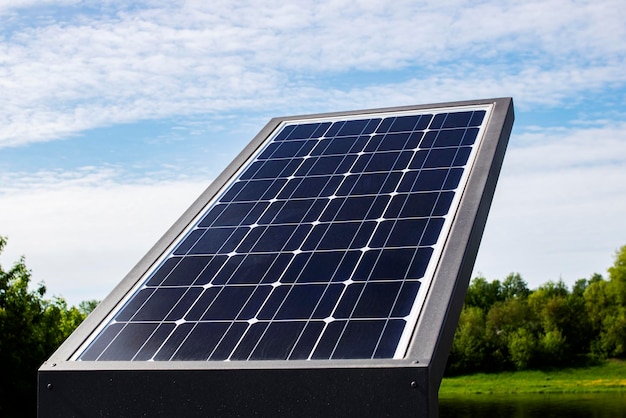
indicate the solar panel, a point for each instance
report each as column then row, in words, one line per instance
column 323, row 241
column 316, row 249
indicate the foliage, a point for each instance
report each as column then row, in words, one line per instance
column 506, row 326
column 469, row 342
column 31, row 328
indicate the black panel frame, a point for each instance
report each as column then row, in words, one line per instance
column 386, row 387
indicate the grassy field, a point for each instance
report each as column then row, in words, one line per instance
column 609, row 376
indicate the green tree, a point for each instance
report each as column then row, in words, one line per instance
column 598, row 301
column 468, row 347
column 514, row 287
column 31, row 328
column 522, row 346
column 605, row 302
column 617, row 276
column 483, row 294
column 503, row 332
column 566, row 330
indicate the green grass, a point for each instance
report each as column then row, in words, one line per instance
column 608, row 376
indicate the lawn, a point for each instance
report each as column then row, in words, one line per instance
column 608, row 376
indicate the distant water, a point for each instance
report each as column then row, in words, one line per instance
column 604, row 405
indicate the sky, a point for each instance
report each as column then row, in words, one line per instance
column 116, row 115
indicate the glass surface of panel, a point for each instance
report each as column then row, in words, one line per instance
column 320, row 247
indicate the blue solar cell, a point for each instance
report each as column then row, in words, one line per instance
column 338, row 236
column 248, row 271
column 235, row 214
column 186, row 271
column 288, row 149
column 449, row 138
column 388, row 161
column 336, row 164
column 218, row 240
column 357, row 127
column 327, row 304
column 202, row 304
column 306, row 340
column 317, row 249
column 424, row 122
column 453, row 178
column 358, row 339
column 277, row 341
column 440, row 158
column 201, row 341
column 405, row 299
column 355, row 208
column 470, row 136
column 457, row 120
column 184, row 303
column 211, row 270
column 319, row 186
column 319, row 267
column 462, row 156
column 229, row 341
column 330, row 334
column 437, row 121
column 249, row 341
column 164, row 270
column 158, row 304
column 477, row 118
column 129, row 341
column 303, row 302
column 172, row 343
column 245, row 191
column 188, row 242
column 154, row 342
column 336, row 146
column 308, row 130
column 428, row 139
column 369, row 184
column 404, row 123
column 226, row 269
column 388, row 341
column 420, row 205
column 255, row 302
column 368, row 300
column 293, row 211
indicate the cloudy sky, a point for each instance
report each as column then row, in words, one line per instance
column 116, row 115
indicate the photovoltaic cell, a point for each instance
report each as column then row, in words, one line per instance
column 320, row 247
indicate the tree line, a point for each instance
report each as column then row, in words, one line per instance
column 506, row 326
column 31, row 328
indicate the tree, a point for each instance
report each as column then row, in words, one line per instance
column 31, row 328
column 483, row 294
column 522, row 345
column 605, row 301
column 617, row 275
column 504, row 322
column 514, row 287
column 468, row 347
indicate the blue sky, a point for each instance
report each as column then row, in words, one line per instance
column 115, row 117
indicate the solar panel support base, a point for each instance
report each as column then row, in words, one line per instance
column 335, row 392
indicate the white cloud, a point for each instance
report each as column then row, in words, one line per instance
column 559, row 206
column 160, row 59
column 82, row 232
column 11, row 5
